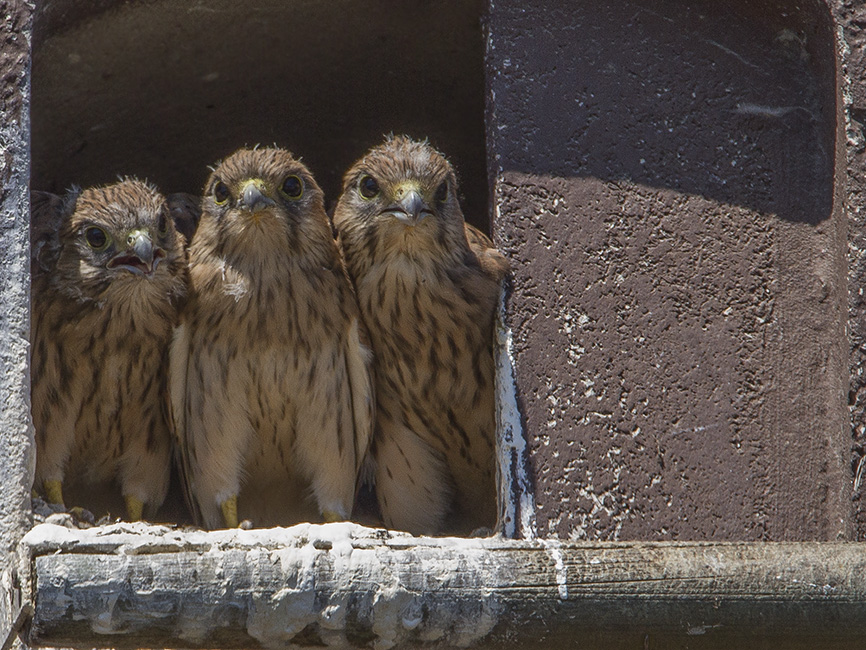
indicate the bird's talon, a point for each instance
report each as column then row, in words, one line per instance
column 330, row 516
column 229, row 509
column 53, row 491
column 134, row 508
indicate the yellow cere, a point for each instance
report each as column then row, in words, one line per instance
column 407, row 186
column 258, row 182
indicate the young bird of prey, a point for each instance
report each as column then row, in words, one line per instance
column 270, row 374
column 428, row 285
column 109, row 273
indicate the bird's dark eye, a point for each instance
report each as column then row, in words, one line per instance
column 96, row 238
column 293, row 187
column 221, row 193
column 368, row 187
column 441, row 192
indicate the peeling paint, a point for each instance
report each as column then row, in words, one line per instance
column 515, row 492
column 554, row 548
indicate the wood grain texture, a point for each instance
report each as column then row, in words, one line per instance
column 345, row 585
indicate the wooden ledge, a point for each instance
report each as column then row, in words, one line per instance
column 343, row 585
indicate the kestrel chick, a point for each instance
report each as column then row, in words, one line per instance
column 269, row 370
column 108, row 277
column 428, row 284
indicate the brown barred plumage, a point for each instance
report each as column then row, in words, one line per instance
column 428, row 284
column 109, row 273
column 270, row 374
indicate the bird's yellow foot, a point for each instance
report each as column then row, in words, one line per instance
column 330, row 516
column 230, row 512
column 53, row 491
column 134, row 508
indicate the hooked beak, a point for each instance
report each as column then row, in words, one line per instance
column 411, row 209
column 141, row 257
column 252, row 197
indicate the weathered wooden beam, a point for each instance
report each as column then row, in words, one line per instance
column 131, row 586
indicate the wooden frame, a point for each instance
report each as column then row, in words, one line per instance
column 137, row 585
column 134, row 585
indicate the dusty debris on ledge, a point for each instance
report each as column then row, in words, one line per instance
column 141, row 538
column 57, row 513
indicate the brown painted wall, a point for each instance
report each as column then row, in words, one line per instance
column 665, row 177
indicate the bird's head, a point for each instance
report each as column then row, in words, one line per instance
column 119, row 232
column 262, row 194
column 405, row 188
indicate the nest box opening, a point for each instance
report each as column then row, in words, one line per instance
column 163, row 90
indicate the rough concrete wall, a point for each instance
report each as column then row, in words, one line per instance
column 16, row 469
column 665, row 184
column 851, row 15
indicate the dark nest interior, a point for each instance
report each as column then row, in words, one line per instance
column 162, row 90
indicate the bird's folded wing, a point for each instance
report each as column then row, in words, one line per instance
column 493, row 263
column 178, row 366
column 359, row 362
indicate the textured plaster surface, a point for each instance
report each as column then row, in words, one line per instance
column 665, row 185
column 15, row 428
column 851, row 16
column 16, row 468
